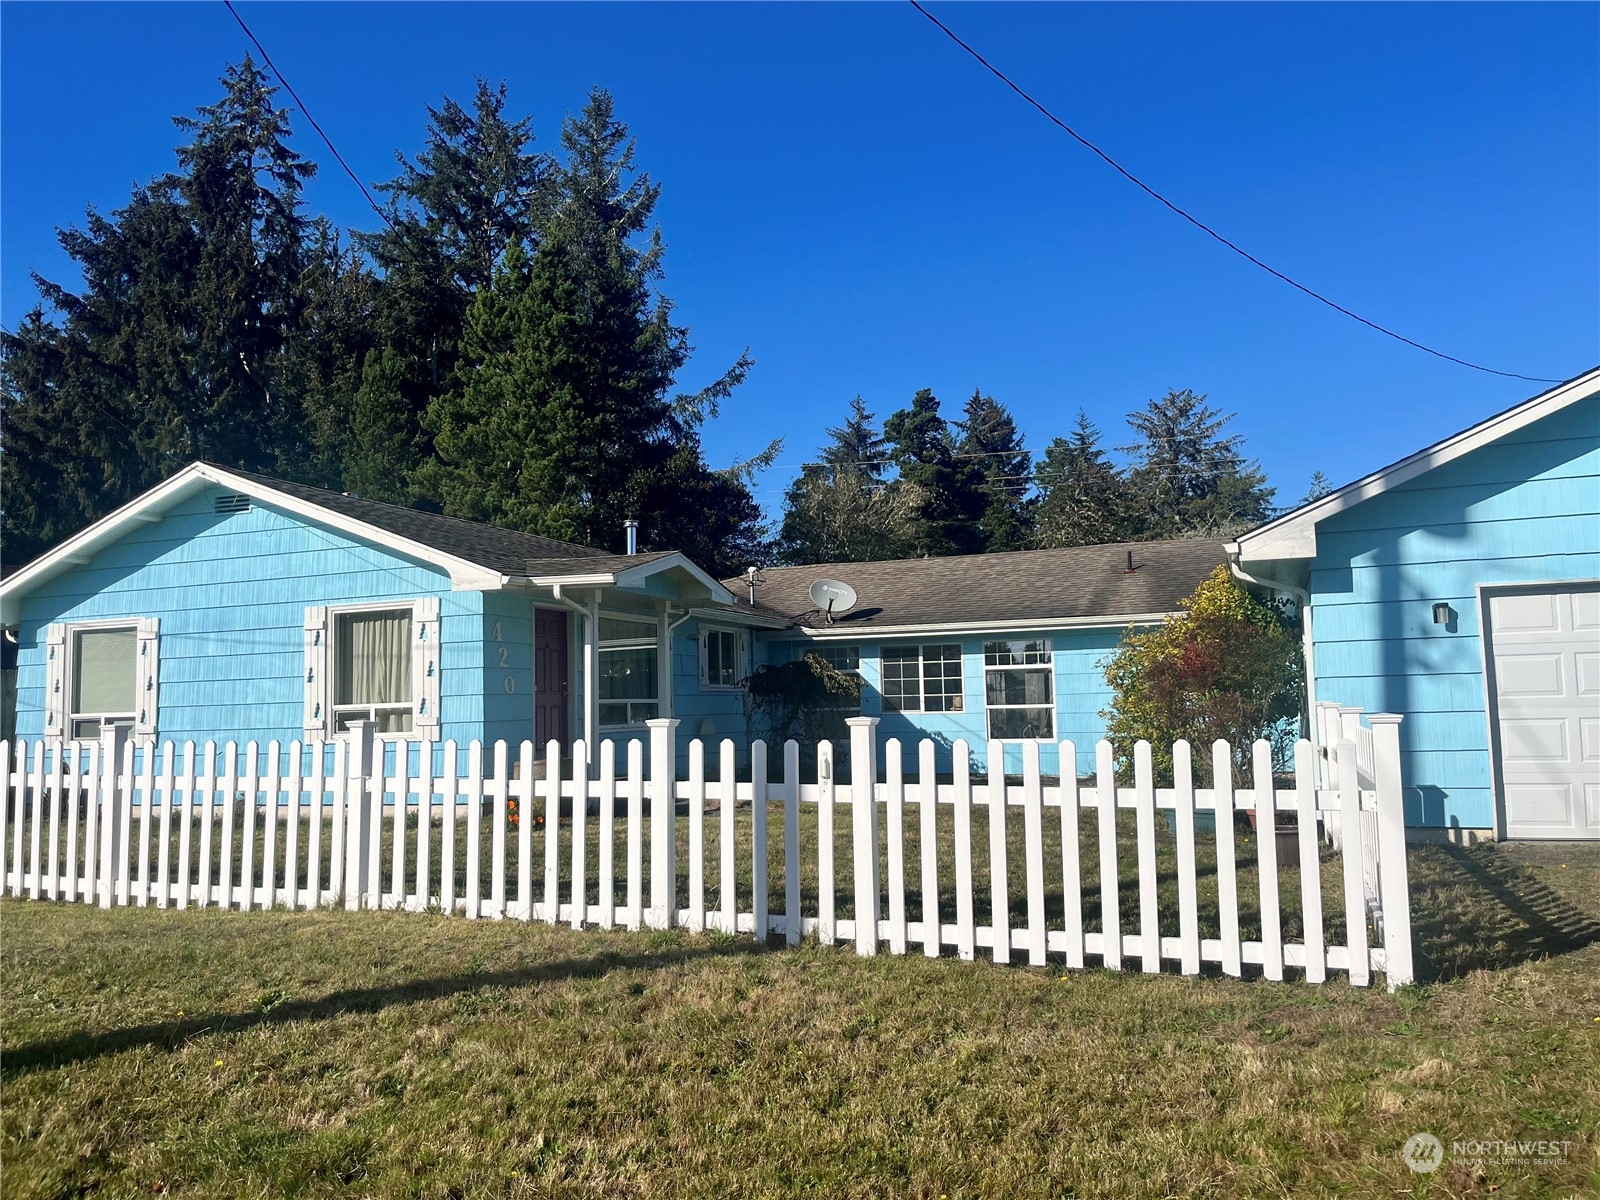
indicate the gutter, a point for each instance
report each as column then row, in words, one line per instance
column 843, row 630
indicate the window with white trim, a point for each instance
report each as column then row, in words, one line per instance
column 102, row 675
column 723, row 654
column 629, row 657
column 104, row 681
column 378, row 664
column 372, row 670
column 1019, row 690
column 848, row 660
column 921, row 679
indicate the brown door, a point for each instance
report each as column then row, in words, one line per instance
column 550, row 657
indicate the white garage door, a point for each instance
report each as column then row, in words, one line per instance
column 1546, row 652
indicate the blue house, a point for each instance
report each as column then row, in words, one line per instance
column 1460, row 587
column 1003, row 647
column 223, row 605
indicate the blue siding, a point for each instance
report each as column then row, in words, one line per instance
column 1521, row 510
column 1080, row 687
column 231, row 592
column 506, row 638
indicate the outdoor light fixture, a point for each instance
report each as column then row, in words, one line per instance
column 1441, row 613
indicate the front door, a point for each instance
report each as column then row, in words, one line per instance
column 550, row 659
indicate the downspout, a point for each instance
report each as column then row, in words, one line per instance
column 591, row 648
column 1304, row 599
column 664, row 660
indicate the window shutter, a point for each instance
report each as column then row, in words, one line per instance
column 425, row 664
column 316, row 673
column 55, row 681
column 147, row 677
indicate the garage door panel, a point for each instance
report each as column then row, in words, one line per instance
column 1525, row 614
column 1533, row 740
column 1530, row 675
column 1545, row 647
column 1586, row 611
column 1587, row 669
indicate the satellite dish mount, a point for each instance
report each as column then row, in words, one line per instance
column 830, row 596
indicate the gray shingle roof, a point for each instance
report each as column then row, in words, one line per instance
column 1082, row 582
column 504, row 550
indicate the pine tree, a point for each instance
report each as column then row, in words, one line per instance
column 560, row 420
column 839, row 509
column 943, row 496
column 1318, row 488
column 1084, row 499
column 990, row 439
column 476, row 192
column 188, row 337
column 1192, row 481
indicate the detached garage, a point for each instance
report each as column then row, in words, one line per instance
column 1460, row 588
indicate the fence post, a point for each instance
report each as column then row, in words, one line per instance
column 113, row 850
column 864, row 834
column 663, row 823
column 358, row 823
column 1393, row 880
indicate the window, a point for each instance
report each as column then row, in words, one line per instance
column 102, row 675
column 104, row 687
column 722, row 654
column 1019, row 689
column 922, row 678
column 629, row 692
column 377, row 664
column 372, row 670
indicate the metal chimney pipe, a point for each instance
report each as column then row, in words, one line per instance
column 630, row 528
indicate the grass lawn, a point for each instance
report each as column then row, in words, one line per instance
column 208, row 1053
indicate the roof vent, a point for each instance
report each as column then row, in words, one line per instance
column 230, row 502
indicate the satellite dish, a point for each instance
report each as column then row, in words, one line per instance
column 832, row 596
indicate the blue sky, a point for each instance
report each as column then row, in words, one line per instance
column 853, row 198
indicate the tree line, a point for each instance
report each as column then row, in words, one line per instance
column 498, row 348
column 925, row 485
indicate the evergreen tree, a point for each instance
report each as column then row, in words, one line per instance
column 1318, row 488
column 187, row 339
column 943, row 497
column 1192, row 481
column 560, row 421
column 839, row 509
column 475, row 192
column 1084, row 499
column 990, row 440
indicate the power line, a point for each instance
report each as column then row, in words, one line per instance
column 289, row 87
column 1201, row 225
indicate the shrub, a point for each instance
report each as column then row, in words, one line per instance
column 1228, row 666
column 807, row 699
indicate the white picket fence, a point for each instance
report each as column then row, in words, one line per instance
column 820, row 857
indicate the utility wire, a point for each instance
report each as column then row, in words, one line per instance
column 289, row 87
column 1201, row 225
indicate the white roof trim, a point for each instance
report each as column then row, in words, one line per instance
column 631, row 576
column 82, row 546
column 842, row 631
column 1294, row 535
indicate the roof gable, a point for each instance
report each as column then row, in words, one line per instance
column 1294, row 535
column 475, row 556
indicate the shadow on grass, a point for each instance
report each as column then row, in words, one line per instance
column 172, row 1035
column 1475, row 909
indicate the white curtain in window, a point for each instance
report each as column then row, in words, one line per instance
column 374, row 659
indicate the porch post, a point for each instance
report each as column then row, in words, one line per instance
column 591, row 671
column 664, row 660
